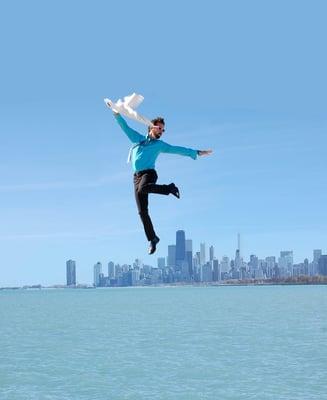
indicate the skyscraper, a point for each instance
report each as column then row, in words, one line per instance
column 111, row 270
column 97, row 270
column 316, row 255
column 271, row 266
column 225, row 265
column 206, row 272
column 211, row 253
column 253, row 265
column 238, row 260
column 171, row 255
column 70, row 273
column 196, row 267
column 188, row 245
column 189, row 256
column 202, row 253
column 215, row 270
column 285, row 263
column 185, row 272
column 322, row 265
column 180, row 248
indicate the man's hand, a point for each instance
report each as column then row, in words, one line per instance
column 109, row 104
column 204, row 152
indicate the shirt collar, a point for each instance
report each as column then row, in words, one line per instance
column 148, row 138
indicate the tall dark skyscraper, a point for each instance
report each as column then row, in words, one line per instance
column 180, row 248
column 211, row 253
column 322, row 265
column 70, row 272
column 215, row 270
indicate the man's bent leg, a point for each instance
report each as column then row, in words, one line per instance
column 147, row 184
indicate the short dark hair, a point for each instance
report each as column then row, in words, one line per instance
column 155, row 121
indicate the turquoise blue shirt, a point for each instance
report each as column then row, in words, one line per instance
column 146, row 150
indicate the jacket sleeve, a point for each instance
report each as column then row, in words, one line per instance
column 133, row 135
column 182, row 151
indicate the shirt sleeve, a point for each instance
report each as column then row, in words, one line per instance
column 182, row 151
column 133, row 135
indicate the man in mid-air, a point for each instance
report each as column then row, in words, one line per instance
column 143, row 155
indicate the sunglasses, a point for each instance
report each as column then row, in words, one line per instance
column 160, row 128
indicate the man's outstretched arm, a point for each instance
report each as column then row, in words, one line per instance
column 183, row 151
column 133, row 135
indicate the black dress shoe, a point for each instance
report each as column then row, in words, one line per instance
column 174, row 190
column 153, row 245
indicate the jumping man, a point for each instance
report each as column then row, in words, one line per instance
column 143, row 155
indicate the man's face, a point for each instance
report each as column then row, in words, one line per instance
column 157, row 131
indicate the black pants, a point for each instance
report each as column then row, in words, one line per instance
column 145, row 183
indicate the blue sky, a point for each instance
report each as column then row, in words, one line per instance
column 247, row 79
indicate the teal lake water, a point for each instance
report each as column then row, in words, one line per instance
column 267, row 342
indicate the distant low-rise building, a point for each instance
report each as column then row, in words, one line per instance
column 161, row 262
column 206, row 272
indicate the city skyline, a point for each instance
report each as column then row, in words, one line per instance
column 207, row 250
column 182, row 264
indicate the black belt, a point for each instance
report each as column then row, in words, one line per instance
column 145, row 171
